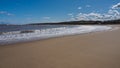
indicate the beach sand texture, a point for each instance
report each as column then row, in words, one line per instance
column 94, row 50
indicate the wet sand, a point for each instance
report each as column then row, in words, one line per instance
column 94, row 50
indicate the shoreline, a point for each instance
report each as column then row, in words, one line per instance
column 93, row 50
column 113, row 27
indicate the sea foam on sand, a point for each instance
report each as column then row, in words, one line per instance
column 21, row 36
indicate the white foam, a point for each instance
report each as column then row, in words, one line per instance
column 16, row 36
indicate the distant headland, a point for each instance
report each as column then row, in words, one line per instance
column 83, row 22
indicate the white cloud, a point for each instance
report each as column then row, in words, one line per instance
column 6, row 13
column 47, row 18
column 79, row 7
column 89, row 16
column 3, row 12
column 70, row 14
column 117, row 6
column 28, row 18
column 112, row 14
column 88, row 6
column 9, row 14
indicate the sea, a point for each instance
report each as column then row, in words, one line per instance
column 22, row 33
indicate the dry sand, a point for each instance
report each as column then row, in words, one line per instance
column 94, row 50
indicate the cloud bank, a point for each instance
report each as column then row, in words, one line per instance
column 117, row 6
column 112, row 14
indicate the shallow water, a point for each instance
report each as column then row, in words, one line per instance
column 12, row 34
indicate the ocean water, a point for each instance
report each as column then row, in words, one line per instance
column 13, row 34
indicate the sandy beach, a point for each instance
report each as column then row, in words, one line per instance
column 94, row 50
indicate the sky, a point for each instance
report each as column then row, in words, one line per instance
column 40, row 11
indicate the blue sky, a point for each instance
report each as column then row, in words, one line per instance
column 38, row 11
